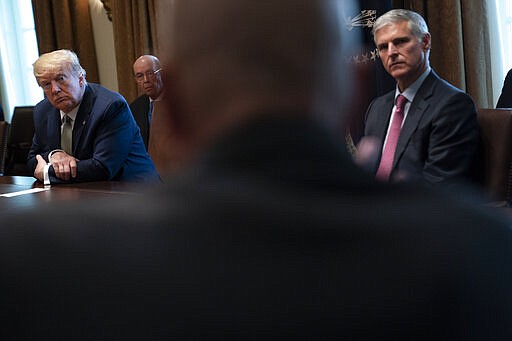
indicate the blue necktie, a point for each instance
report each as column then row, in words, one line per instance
column 150, row 112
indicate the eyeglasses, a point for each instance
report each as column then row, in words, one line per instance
column 139, row 77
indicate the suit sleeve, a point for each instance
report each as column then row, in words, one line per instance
column 38, row 146
column 454, row 141
column 112, row 143
column 505, row 100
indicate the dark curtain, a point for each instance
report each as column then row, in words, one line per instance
column 66, row 24
column 135, row 33
column 460, row 43
column 372, row 79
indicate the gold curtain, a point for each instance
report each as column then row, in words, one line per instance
column 135, row 33
column 66, row 24
column 460, row 43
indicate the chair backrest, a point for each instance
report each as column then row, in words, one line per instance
column 21, row 133
column 496, row 133
column 4, row 132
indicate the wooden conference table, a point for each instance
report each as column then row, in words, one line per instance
column 27, row 193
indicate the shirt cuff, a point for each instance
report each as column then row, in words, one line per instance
column 46, row 176
column 51, row 153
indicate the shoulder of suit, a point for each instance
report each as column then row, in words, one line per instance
column 388, row 96
column 44, row 106
column 446, row 87
column 141, row 100
column 100, row 91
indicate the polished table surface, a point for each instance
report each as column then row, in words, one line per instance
column 26, row 192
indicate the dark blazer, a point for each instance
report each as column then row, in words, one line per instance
column 140, row 108
column 106, row 139
column 505, row 100
column 440, row 139
column 276, row 235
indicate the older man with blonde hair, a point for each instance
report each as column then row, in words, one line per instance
column 83, row 131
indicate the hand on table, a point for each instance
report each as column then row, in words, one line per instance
column 39, row 171
column 63, row 164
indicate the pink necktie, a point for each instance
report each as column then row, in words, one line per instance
column 386, row 161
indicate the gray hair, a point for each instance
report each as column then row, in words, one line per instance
column 416, row 23
column 52, row 61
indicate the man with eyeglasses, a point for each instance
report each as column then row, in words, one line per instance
column 83, row 131
column 147, row 73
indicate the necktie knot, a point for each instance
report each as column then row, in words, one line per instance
column 66, row 119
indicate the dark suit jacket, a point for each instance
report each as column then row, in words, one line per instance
column 505, row 100
column 439, row 141
column 106, row 139
column 274, row 235
column 139, row 108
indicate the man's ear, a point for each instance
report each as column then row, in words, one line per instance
column 427, row 42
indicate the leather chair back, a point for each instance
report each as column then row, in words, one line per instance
column 4, row 132
column 496, row 133
column 19, row 142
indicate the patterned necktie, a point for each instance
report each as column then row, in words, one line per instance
column 388, row 154
column 66, row 137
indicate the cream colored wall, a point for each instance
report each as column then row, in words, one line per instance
column 104, row 42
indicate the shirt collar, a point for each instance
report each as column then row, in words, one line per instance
column 411, row 91
column 71, row 114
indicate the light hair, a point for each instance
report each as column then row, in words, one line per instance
column 415, row 22
column 59, row 59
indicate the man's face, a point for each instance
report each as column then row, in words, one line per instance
column 63, row 88
column 403, row 56
column 148, row 79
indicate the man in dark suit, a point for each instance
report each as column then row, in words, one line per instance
column 83, row 132
column 437, row 140
column 505, row 100
column 271, row 232
column 148, row 75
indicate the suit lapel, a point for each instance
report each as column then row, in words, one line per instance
column 384, row 117
column 82, row 116
column 418, row 107
column 53, row 128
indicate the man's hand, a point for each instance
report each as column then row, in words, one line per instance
column 367, row 153
column 39, row 171
column 64, row 165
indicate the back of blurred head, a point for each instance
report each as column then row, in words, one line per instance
column 231, row 61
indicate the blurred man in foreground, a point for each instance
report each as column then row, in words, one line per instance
column 271, row 232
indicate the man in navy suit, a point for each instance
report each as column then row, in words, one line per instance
column 148, row 75
column 439, row 138
column 104, row 140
